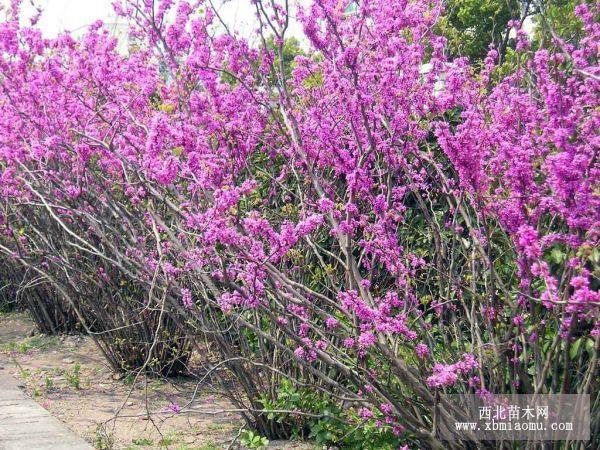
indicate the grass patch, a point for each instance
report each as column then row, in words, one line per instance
column 38, row 342
column 207, row 446
column 142, row 442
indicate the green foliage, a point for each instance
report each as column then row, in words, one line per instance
column 168, row 440
column 73, row 376
column 558, row 17
column 325, row 422
column 252, row 440
column 313, row 80
column 37, row 342
column 471, row 25
column 207, row 446
column 353, row 433
column 142, row 441
column 291, row 49
column 37, row 392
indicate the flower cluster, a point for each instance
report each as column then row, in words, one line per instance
column 350, row 218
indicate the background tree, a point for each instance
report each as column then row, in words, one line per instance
column 472, row 25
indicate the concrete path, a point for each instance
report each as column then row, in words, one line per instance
column 25, row 425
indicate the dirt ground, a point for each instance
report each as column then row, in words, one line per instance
column 68, row 377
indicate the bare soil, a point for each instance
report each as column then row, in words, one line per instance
column 68, row 377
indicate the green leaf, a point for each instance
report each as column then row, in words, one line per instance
column 557, row 256
column 574, row 350
column 589, row 346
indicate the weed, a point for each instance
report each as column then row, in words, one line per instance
column 129, row 379
column 253, row 440
column 49, row 382
column 31, row 343
column 73, row 376
column 142, row 441
column 103, row 440
column 25, row 373
column 167, row 440
column 207, row 446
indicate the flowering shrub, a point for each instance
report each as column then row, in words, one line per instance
column 358, row 225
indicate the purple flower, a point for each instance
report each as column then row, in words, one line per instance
column 422, row 351
column 366, row 339
column 174, row 408
column 186, row 298
column 331, row 323
column 365, row 413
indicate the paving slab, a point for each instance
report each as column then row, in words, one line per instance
column 25, row 425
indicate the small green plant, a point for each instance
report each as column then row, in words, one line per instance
column 142, row 441
column 252, row 440
column 49, row 382
column 23, row 372
column 128, row 379
column 207, row 446
column 327, row 429
column 103, row 440
column 73, row 376
column 14, row 347
column 31, row 343
column 167, row 440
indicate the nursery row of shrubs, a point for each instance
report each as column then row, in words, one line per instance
column 340, row 236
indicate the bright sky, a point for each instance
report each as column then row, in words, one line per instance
column 76, row 15
column 71, row 15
